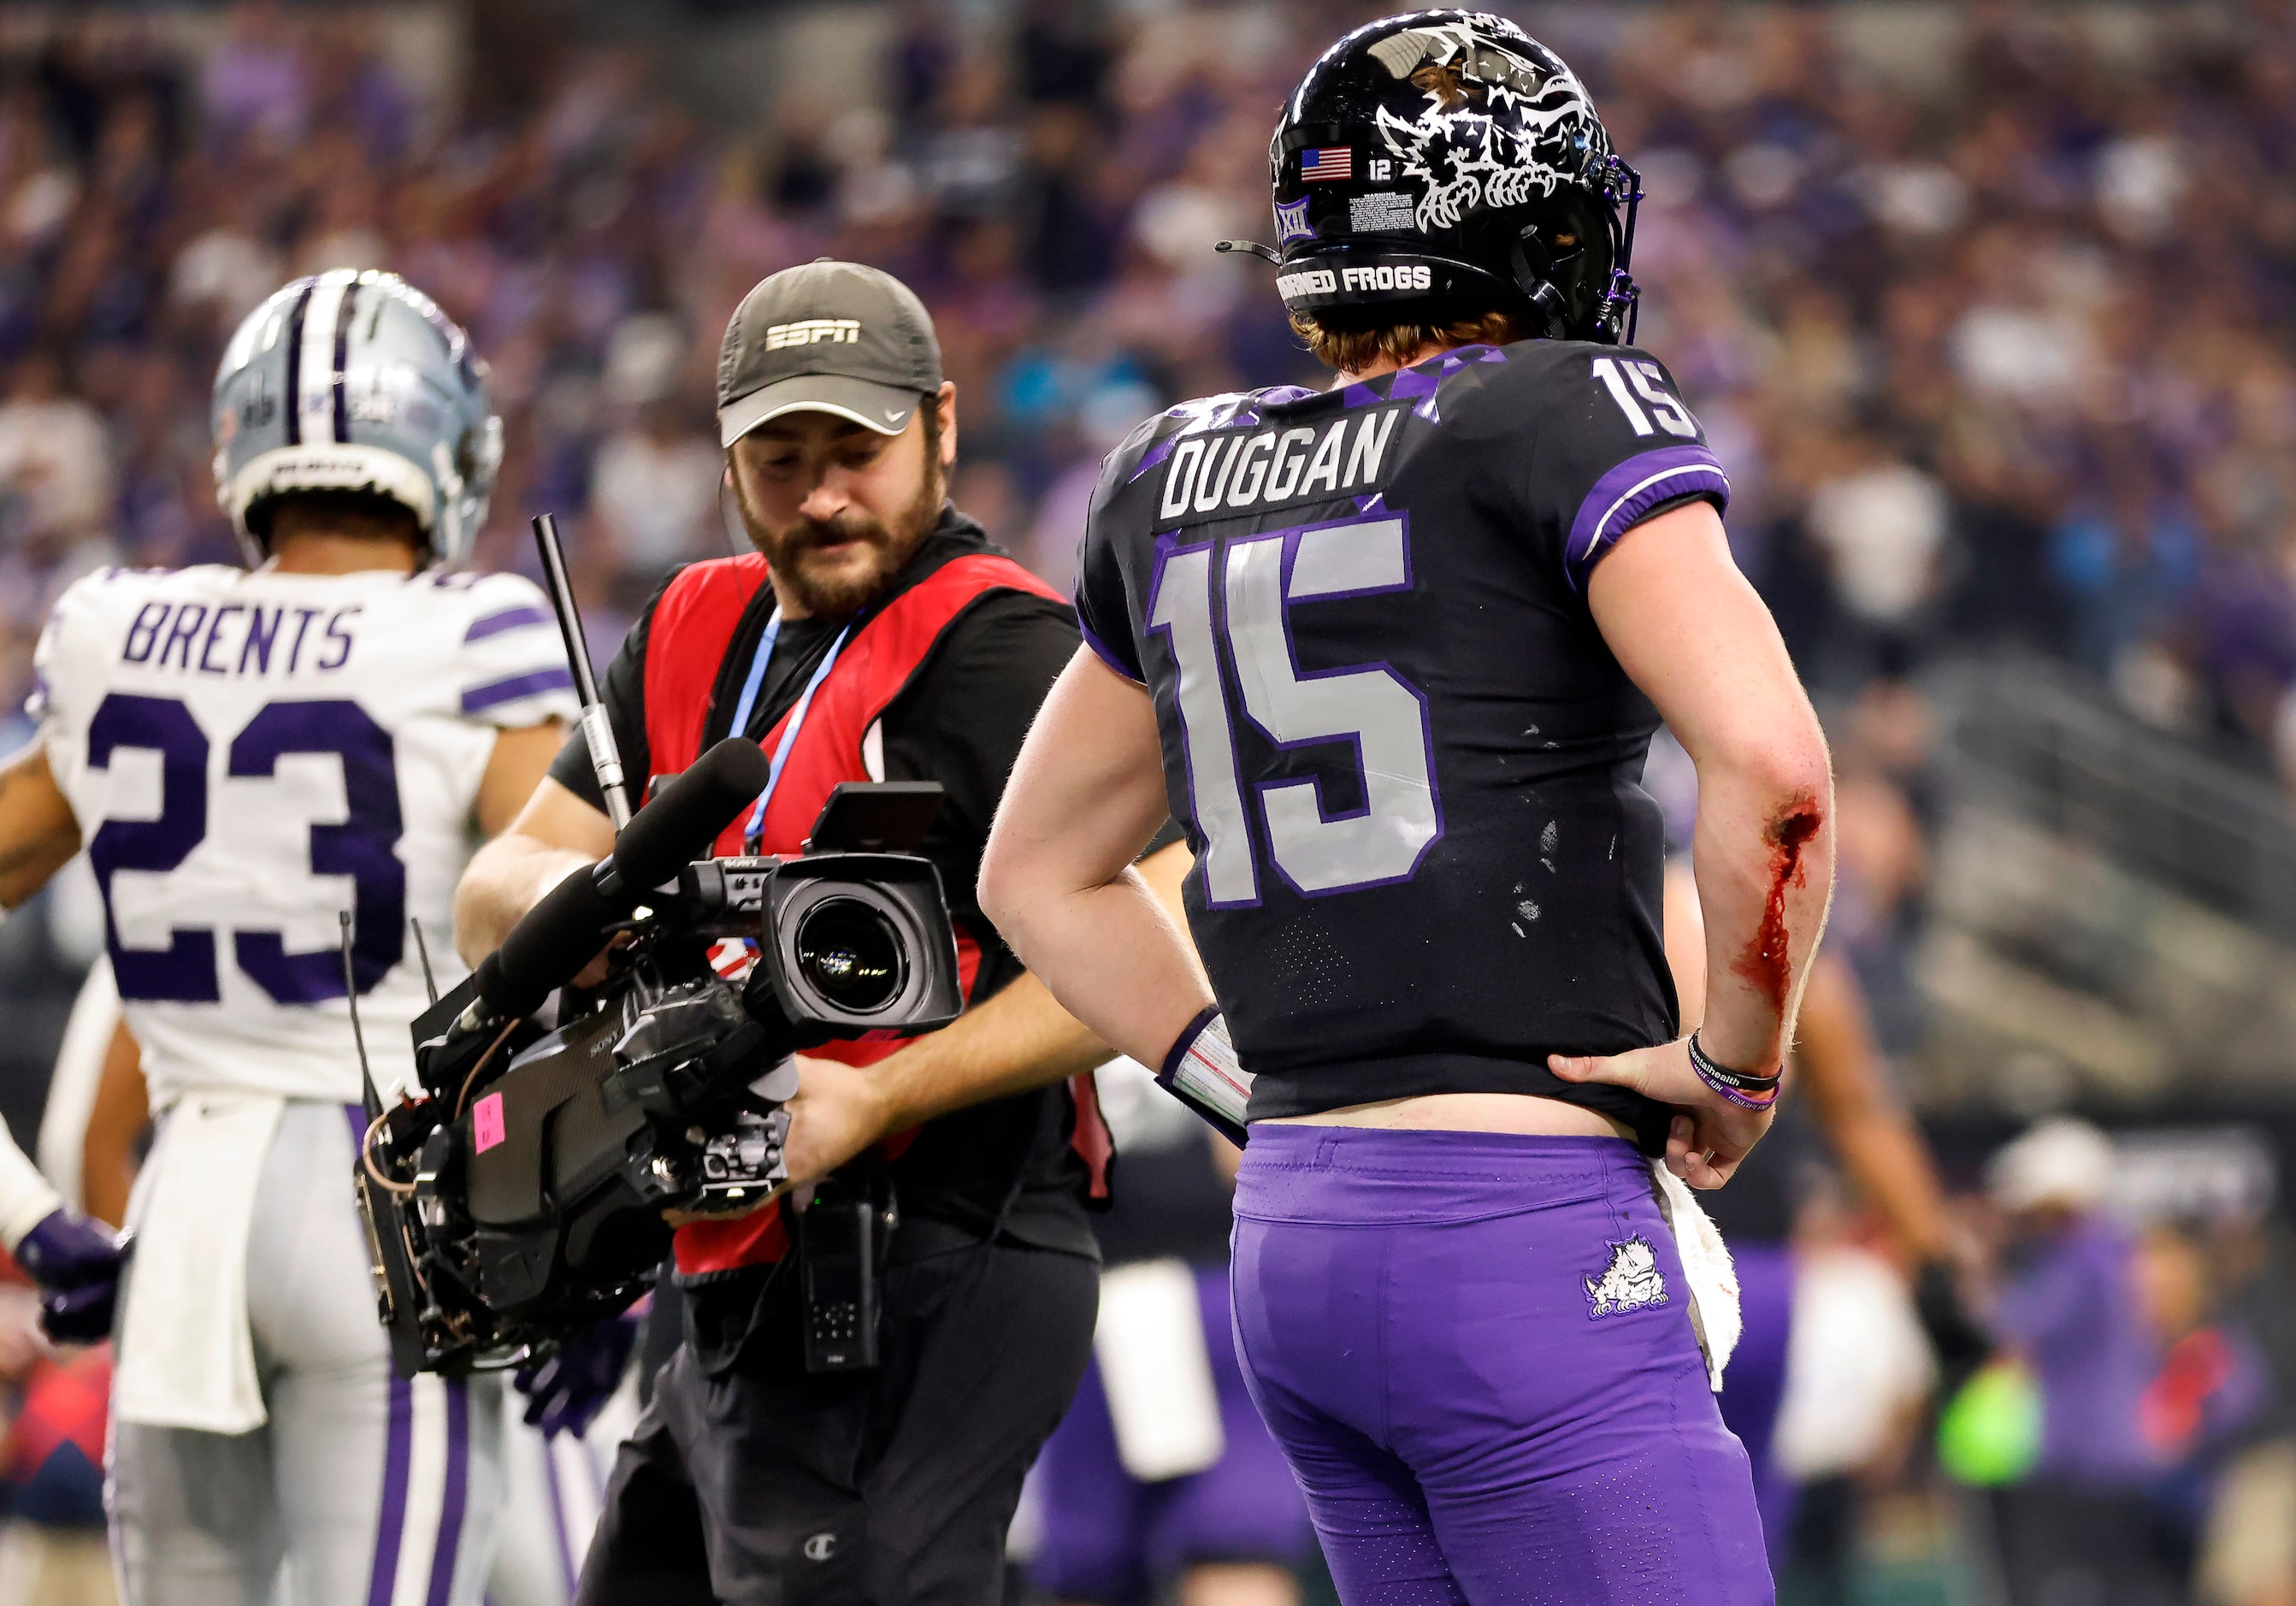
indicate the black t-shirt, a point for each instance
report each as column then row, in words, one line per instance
column 1408, row 763
column 960, row 722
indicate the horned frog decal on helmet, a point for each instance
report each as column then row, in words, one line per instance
column 1456, row 153
column 1631, row 1281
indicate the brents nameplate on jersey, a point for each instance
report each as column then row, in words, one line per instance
column 1235, row 471
column 168, row 633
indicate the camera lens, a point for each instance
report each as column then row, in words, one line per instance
column 852, row 954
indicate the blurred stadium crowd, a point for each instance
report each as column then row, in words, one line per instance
column 1990, row 322
column 1995, row 345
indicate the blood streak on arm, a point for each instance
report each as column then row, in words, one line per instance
column 1766, row 962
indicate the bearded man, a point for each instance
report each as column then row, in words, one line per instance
column 877, row 635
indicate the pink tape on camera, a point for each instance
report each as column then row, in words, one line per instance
column 486, row 1122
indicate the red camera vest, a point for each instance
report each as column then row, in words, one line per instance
column 694, row 627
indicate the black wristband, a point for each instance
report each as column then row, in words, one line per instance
column 1188, row 1035
column 1750, row 1089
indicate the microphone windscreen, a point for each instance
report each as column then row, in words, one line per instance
column 555, row 939
column 681, row 821
column 548, row 947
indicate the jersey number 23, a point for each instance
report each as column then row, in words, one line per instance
column 186, row 972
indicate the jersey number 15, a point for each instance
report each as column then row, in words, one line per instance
column 1382, row 715
column 362, row 847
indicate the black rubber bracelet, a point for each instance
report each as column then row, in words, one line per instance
column 1750, row 1089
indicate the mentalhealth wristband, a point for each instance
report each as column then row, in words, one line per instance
column 1749, row 1090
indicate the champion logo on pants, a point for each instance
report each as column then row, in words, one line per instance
column 1630, row 1282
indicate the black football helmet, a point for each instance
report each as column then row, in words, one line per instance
column 1444, row 164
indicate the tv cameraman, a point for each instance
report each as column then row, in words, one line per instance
column 888, row 640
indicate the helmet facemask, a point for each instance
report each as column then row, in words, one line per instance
column 1568, row 257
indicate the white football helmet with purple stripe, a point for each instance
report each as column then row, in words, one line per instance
column 355, row 381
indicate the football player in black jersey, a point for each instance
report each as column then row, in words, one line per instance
column 1393, row 653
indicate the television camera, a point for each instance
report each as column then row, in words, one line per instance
column 515, row 1193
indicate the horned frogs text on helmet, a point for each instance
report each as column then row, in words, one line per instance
column 1443, row 164
column 355, row 382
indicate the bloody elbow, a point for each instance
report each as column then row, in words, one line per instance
column 1766, row 963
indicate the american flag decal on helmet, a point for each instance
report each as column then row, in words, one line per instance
column 1331, row 161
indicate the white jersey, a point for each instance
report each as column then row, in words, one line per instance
column 248, row 756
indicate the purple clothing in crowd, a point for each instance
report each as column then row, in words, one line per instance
column 1754, row 1387
column 2071, row 1309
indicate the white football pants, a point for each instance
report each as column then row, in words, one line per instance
column 362, row 1489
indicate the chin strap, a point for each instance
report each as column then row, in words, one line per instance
column 1621, row 306
column 1549, row 314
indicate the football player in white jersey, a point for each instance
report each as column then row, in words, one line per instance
column 246, row 756
column 553, row 1480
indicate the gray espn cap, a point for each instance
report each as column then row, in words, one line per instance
column 829, row 337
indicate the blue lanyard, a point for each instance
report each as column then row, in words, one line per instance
column 753, row 834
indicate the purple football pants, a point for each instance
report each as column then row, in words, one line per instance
column 1485, row 1393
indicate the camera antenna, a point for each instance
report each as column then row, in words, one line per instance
column 422, row 952
column 369, row 1097
column 597, row 729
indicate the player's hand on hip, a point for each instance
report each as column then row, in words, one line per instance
column 1709, row 1135
column 77, row 1263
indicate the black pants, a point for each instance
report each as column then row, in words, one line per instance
column 766, row 1486
column 2060, row 1543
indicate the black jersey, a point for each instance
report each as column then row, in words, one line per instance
column 1408, row 763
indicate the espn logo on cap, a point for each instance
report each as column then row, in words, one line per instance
column 809, row 331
